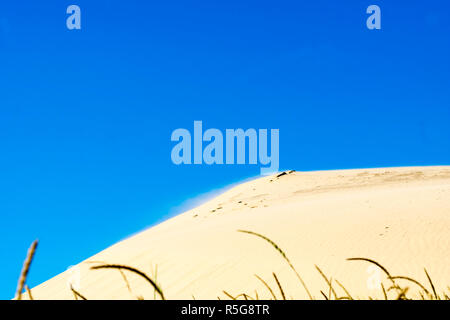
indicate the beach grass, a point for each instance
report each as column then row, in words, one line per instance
column 394, row 291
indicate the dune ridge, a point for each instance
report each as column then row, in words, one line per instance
column 399, row 217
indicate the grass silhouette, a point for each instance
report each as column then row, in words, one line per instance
column 399, row 292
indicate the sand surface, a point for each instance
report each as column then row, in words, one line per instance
column 399, row 217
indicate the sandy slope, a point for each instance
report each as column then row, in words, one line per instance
column 399, row 217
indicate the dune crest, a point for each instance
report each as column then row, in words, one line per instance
column 399, row 217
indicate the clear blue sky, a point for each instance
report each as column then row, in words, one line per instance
column 86, row 116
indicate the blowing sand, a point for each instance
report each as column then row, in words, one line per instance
column 399, row 217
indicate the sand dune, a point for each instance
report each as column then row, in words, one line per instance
column 399, row 217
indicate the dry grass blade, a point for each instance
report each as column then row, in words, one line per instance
column 129, row 286
column 330, row 285
column 329, row 291
column 29, row 292
column 25, row 269
column 279, row 286
column 245, row 296
column 384, row 292
column 77, row 294
column 267, row 286
column 432, row 285
column 402, row 294
column 283, row 255
column 126, row 281
column 229, row 295
column 394, row 285
column 155, row 276
column 374, row 262
column 413, row 281
column 446, row 297
column 143, row 275
column 349, row 296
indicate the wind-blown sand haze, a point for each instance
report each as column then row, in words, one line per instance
column 399, row 217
